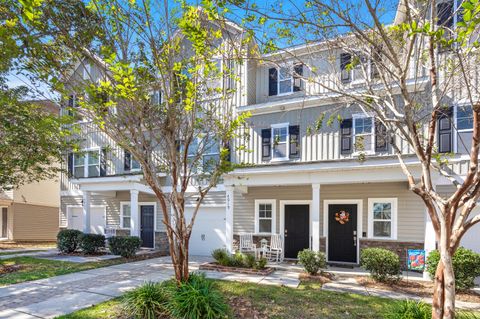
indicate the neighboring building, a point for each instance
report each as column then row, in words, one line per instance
column 30, row 212
column 300, row 182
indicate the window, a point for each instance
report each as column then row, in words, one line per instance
column 285, row 79
column 129, row 162
column 382, row 217
column 87, row 71
column 280, row 141
column 210, row 154
column 464, row 132
column 265, row 210
column 363, row 131
column 352, row 67
column 156, row 97
column 125, row 215
column 86, row 164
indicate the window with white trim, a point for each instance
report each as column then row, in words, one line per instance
column 382, row 216
column 87, row 71
column 125, row 215
column 265, row 216
column 209, row 157
column 280, row 138
column 464, row 125
column 285, row 80
column 86, row 164
column 364, row 133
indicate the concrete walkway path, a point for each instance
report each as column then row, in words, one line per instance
column 26, row 253
column 350, row 285
column 51, row 297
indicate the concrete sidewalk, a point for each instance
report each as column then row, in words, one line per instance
column 350, row 285
column 51, row 297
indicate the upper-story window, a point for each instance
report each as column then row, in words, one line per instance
column 449, row 13
column 129, row 162
column 87, row 71
column 285, row 79
column 208, row 155
column 354, row 68
column 156, row 97
column 87, row 164
column 280, row 142
column 464, row 124
column 363, row 132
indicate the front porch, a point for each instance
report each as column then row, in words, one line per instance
column 117, row 206
column 337, row 219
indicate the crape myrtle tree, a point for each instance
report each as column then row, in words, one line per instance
column 410, row 73
column 162, row 85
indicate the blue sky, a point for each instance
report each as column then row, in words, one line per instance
column 289, row 6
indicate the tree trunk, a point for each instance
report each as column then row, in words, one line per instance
column 444, row 288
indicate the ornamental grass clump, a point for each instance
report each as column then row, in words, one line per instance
column 147, row 301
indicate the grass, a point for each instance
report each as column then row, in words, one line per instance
column 35, row 268
column 277, row 302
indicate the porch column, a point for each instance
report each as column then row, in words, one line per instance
column 430, row 239
column 315, row 217
column 229, row 218
column 86, row 212
column 134, row 214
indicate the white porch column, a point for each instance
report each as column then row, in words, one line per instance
column 430, row 238
column 229, row 218
column 315, row 217
column 86, row 212
column 134, row 214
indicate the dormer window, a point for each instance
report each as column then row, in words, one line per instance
column 285, row 79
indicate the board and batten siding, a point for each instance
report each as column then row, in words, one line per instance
column 411, row 211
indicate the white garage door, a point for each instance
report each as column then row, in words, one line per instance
column 208, row 231
column 97, row 219
column 470, row 240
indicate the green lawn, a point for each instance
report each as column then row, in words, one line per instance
column 18, row 252
column 36, row 268
column 277, row 302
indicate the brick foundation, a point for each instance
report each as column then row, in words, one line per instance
column 399, row 247
column 323, row 244
column 248, row 271
column 161, row 242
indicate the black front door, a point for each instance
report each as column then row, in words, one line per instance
column 147, row 225
column 342, row 233
column 296, row 231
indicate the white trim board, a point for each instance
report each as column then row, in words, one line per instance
column 359, row 203
column 282, row 219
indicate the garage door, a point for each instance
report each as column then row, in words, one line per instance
column 208, row 231
column 97, row 219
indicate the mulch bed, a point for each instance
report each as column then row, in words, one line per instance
column 321, row 277
column 417, row 288
column 243, row 308
column 6, row 269
column 248, row 271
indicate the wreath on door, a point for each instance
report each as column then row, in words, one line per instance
column 342, row 217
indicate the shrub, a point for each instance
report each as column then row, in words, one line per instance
column 249, row 261
column 261, row 263
column 147, row 301
column 312, row 261
column 91, row 243
column 220, row 254
column 197, row 298
column 465, row 267
column 68, row 240
column 409, row 309
column 383, row 265
column 125, row 246
column 237, row 260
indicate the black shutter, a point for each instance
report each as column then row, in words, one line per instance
column 229, row 156
column 70, row 164
column 103, row 162
column 272, row 81
column 346, row 136
column 345, row 60
column 266, row 144
column 297, row 77
column 126, row 160
column 294, row 133
column 445, row 131
column 381, row 137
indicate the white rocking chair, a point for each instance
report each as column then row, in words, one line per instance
column 275, row 249
column 246, row 243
